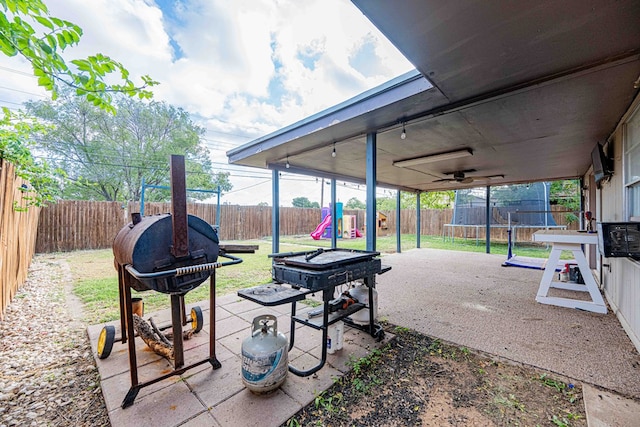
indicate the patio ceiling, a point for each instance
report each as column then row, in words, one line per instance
column 528, row 87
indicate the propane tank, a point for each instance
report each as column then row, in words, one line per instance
column 361, row 293
column 265, row 357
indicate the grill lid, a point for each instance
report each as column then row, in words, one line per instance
column 147, row 245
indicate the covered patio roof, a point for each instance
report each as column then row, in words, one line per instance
column 527, row 88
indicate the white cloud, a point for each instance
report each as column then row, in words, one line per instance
column 242, row 68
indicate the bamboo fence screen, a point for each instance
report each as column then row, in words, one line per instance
column 17, row 234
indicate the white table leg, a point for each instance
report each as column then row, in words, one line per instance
column 549, row 272
column 596, row 304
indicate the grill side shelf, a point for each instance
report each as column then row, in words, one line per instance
column 317, row 322
column 273, row 294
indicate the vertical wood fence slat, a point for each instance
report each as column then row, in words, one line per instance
column 76, row 225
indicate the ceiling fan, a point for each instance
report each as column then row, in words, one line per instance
column 462, row 178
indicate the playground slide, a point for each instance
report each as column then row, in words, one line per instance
column 358, row 233
column 321, row 227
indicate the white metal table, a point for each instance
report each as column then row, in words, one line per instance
column 569, row 240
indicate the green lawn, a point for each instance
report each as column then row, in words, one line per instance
column 387, row 244
column 96, row 282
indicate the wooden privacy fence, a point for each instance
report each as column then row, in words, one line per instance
column 75, row 225
column 17, row 234
column 71, row 225
column 249, row 222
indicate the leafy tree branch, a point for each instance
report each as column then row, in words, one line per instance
column 27, row 30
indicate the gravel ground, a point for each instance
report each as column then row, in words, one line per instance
column 47, row 372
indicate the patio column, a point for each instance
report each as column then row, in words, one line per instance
column 275, row 213
column 488, row 233
column 334, row 215
column 418, row 221
column 371, row 219
column 398, row 228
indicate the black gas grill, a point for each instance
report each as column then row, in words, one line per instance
column 297, row 274
column 322, row 269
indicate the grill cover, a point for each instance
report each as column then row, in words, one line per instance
column 146, row 245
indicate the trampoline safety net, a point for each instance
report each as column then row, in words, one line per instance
column 528, row 204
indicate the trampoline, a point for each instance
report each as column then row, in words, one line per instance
column 513, row 207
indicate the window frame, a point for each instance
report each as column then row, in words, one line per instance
column 631, row 155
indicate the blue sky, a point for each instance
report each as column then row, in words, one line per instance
column 241, row 68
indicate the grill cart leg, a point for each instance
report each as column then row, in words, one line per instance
column 130, row 397
column 121, row 293
column 327, row 294
column 177, row 302
column 133, row 363
column 212, row 322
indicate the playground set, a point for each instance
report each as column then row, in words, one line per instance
column 347, row 225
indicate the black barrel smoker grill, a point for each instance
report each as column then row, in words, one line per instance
column 172, row 254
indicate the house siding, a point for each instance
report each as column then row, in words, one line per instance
column 620, row 277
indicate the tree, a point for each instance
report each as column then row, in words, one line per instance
column 107, row 156
column 428, row 200
column 386, row 203
column 354, row 203
column 27, row 30
column 566, row 193
column 303, row 202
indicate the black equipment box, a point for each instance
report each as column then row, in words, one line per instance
column 619, row 239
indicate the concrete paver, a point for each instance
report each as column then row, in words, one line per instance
column 606, row 409
column 203, row 396
column 250, row 410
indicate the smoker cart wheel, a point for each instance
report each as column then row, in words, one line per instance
column 196, row 319
column 105, row 341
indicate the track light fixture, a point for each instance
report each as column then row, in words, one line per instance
column 434, row 158
column 333, row 153
column 287, row 165
column 403, row 135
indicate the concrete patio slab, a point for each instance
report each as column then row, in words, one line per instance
column 470, row 300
